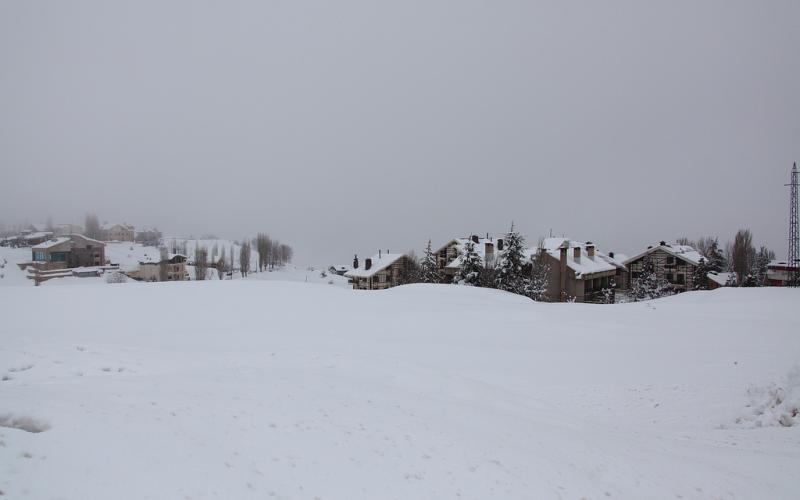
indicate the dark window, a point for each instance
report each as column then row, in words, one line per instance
column 681, row 279
column 670, row 260
column 670, row 278
column 58, row 257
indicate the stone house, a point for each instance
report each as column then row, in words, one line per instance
column 171, row 267
column 67, row 252
column 118, row 232
column 579, row 272
column 673, row 263
column 449, row 257
column 383, row 270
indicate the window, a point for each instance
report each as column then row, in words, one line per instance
column 38, row 256
column 58, row 257
column 681, row 279
column 670, row 261
column 671, row 278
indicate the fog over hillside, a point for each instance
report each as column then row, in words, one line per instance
column 351, row 126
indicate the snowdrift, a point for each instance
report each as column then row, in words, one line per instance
column 264, row 389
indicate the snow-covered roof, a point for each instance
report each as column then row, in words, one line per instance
column 38, row 234
column 583, row 265
column 379, row 263
column 340, row 268
column 683, row 252
column 480, row 249
column 51, row 243
column 719, row 278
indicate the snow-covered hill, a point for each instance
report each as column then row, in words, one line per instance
column 261, row 389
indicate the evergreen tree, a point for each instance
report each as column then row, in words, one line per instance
column 509, row 271
column 648, row 286
column 540, row 276
column 716, row 258
column 700, row 275
column 428, row 268
column 471, row 270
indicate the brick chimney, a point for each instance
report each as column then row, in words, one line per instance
column 590, row 249
column 355, row 262
column 576, row 253
column 563, row 271
column 367, row 264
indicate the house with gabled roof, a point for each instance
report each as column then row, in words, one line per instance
column 581, row 273
column 450, row 255
column 672, row 263
column 68, row 252
column 382, row 270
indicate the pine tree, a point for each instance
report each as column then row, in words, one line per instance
column 648, row 286
column 471, row 270
column 540, row 276
column 509, row 272
column 700, row 275
column 428, row 268
column 716, row 258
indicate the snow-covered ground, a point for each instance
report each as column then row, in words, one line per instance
column 267, row 389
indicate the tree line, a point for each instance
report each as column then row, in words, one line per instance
column 513, row 270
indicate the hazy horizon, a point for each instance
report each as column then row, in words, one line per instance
column 345, row 127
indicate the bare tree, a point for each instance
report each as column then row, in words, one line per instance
column 221, row 265
column 163, row 263
column 92, row 227
column 743, row 255
column 685, row 241
column 244, row 257
column 263, row 246
column 200, row 262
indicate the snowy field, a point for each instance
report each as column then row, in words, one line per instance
column 270, row 389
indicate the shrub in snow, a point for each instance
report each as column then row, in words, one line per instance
column 323, row 274
column 648, row 285
column 116, row 277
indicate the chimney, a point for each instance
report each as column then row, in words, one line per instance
column 576, row 253
column 500, row 244
column 563, row 271
column 663, row 243
column 355, row 262
column 590, row 249
column 367, row 264
column 611, row 254
column 379, row 253
column 475, row 239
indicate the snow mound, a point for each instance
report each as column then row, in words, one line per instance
column 774, row 405
column 23, row 423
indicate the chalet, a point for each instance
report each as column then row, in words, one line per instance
column 779, row 273
column 449, row 257
column 341, row 270
column 579, row 272
column 118, row 232
column 170, row 267
column 383, row 270
column 675, row 264
column 67, row 252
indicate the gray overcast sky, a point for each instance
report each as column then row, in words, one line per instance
column 346, row 126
